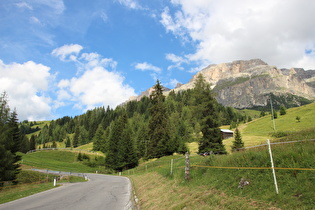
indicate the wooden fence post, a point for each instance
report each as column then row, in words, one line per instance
column 187, row 167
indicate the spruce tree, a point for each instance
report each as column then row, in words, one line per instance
column 98, row 140
column 159, row 133
column 76, row 135
column 238, row 142
column 10, row 141
column 129, row 155
column 114, row 157
column 68, row 142
column 283, row 110
column 206, row 110
column 32, row 143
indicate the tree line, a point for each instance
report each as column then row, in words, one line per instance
column 152, row 127
column 11, row 142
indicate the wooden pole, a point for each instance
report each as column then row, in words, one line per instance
column 187, row 167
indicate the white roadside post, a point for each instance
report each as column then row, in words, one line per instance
column 172, row 161
column 272, row 167
column 55, row 181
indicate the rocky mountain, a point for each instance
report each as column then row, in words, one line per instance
column 249, row 83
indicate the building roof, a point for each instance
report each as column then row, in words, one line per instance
column 226, row 131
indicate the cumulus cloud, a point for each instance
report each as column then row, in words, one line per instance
column 25, row 84
column 147, row 67
column 177, row 60
column 276, row 31
column 67, row 52
column 98, row 84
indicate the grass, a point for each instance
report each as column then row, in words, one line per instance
column 259, row 130
column 8, row 194
column 172, row 194
column 32, row 182
column 56, row 160
column 218, row 188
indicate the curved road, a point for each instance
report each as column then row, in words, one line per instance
column 100, row 192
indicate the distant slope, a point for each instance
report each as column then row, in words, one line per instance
column 259, row 130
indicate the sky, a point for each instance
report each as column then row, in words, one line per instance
column 64, row 57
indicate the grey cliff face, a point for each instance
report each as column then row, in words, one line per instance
column 248, row 83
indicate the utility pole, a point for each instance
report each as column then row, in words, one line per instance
column 273, row 117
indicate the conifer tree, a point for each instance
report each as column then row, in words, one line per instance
column 10, row 140
column 32, row 143
column 68, row 142
column 159, row 135
column 129, row 155
column 114, row 156
column 206, row 109
column 76, row 135
column 98, row 140
column 238, row 142
column 283, row 110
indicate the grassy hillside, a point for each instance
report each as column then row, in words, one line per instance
column 214, row 187
column 62, row 161
column 259, row 130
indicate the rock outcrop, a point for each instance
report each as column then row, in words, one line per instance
column 249, row 83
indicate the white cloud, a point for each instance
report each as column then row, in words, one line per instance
column 24, row 5
column 34, row 19
column 91, row 60
column 273, row 30
column 97, row 87
column 25, row 84
column 97, row 84
column 56, row 6
column 132, row 4
column 147, row 67
column 177, row 60
column 67, row 52
column 173, row 83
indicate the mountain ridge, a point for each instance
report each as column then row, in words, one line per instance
column 249, row 83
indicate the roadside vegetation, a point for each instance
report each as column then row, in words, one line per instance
column 32, row 182
column 64, row 161
column 148, row 132
column 212, row 185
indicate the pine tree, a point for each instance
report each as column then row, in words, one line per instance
column 283, row 110
column 76, row 135
column 238, row 142
column 206, row 110
column 10, row 140
column 114, row 156
column 68, row 142
column 98, row 140
column 25, row 144
column 159, row 135
column 32, row 143
column 129, row 155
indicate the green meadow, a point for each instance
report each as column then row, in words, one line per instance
column 214, row 180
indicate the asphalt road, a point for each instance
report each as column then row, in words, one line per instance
column 100, row 192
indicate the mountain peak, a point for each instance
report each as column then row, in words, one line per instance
column 248, row 83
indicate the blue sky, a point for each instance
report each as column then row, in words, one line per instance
column 62, row 57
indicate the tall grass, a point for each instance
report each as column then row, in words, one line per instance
column 296, row 187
